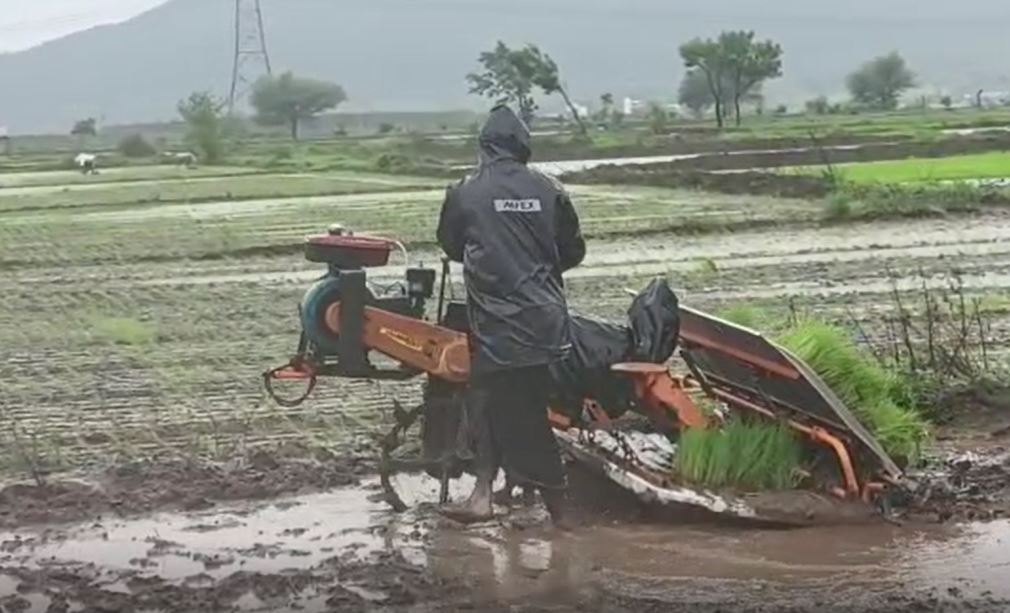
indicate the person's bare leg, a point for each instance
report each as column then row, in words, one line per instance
column 506, row 495
column 556, row 501
column 476, row 508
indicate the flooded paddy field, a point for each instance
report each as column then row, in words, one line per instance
column 342, row 550
column 147, row 327
column 133, row 341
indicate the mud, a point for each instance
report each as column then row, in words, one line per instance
column 817, row 155
column 743, row 182
column 342, row 550
column 693, row 143
column 174, row 484
column 740, row 172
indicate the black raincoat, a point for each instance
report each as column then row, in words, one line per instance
column 515, row 231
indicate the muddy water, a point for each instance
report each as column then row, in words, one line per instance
column 567, row 166
column 515, row 558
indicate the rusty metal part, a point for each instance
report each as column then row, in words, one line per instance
column 438, row 351
column 815, row 433
column 388, row 444
column 298, row 369
column 662, row 396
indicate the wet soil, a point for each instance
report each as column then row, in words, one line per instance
column 818, row 153
column 744, row 182
column 740, row 171
column 139, row 487
column 343, row 550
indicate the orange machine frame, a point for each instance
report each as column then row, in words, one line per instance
column 445, row 354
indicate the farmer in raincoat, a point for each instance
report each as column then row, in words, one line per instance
column 515, row 231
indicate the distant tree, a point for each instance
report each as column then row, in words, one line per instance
column 289, row 100
column 135, row 146
column 547, row 77
column 750, row 63
column 606, row 112
column 205, row 125
column 706, row 57
column 85, row 127
column 782, row 109
column 695, row 93
column 734, row 66
column 947, row 102
column 880, row 82
column 818, row 106
column 505, row 78
column 659, row 118
column 512, row 75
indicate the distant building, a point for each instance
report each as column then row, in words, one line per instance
column 632, row 106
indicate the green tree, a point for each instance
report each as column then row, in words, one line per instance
column 735, row 65
column 880, row 82
column 818, row 106
column 706, row 56
column 659, row 119
column 289, row 100
column 136, row 146
column 512, row 75
column 606, row 113
column 205, row 125
column 547, row 77
column 85, row 127
column 694, row 92
column 751, row 63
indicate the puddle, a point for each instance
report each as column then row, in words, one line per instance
column 200, row 550
column 295, row 532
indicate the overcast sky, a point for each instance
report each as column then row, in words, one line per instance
column 24, row 23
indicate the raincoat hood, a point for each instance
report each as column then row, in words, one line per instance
column 504, row 136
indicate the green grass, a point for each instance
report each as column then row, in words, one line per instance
column 992, row 165
column 747, row 315
column 746, row 455
column 124, row 330
column 878, row 201
column 875, row 395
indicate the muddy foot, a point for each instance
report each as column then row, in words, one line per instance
column 504, row 497
column 467, row 513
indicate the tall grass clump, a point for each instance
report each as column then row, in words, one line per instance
column 877, row 396
column 747, row 455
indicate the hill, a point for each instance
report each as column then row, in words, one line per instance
column 412, row 54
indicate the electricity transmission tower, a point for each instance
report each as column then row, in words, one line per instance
column 251, row 56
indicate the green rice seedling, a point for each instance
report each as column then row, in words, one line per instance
column 124, row 330
column 746, row 315
column 747, row 455
column 874, row 394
